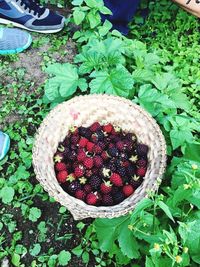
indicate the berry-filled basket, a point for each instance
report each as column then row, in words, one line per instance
column 84, row 111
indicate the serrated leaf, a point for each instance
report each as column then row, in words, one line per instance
column 117, row 82
column 180, row 136
column 166, row 209
column 78, row 16
column 127, row 242
column 65, row 82
column 94, row 19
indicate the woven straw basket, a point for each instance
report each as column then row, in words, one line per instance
column 84, row 110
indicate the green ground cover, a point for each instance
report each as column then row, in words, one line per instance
column 156, row 66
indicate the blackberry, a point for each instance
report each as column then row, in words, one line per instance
column 118, row 197
column 118, row 164
column 142, row 150
column 73, row 187
column 113, row 151
column 85, row 132
column 141, row 163
column 107, row 200
column 74, row 139
column 123, row 156
column 95, row 181
column 136, row 181
column 112, row 166
column 131, row 137
column 130, row 170
column 66, row 153
column 102, row 145
column 100, row 135
column 122, row 171
column 72, row 156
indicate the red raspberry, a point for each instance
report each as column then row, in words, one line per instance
column 60, row 166
column 128, row 190
column 81, row 155
column 104, row 155
column 91, row 199
column 116, row 179
column 80, row 194
column 141, row 172
column 95, row 126
column 83, row 142
column 89, row 146
column 88, row 163
column 62, row 176
column 106, row 187
column 125, row 163
column 98, row 161
column 108, row 128
column 88, row 173
column 87, row 188
column 97, row 149
column 79, row 171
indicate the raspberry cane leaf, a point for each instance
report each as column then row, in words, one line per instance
column 108, row 228
column 127, row 242
column 117, row 82
column 78, row 16
column 65, row 82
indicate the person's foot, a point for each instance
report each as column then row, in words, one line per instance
column 13, row 41
column 29, row 15
column 4, row 144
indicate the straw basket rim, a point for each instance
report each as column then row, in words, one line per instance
column 78, row 208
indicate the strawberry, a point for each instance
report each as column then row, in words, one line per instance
column 106, row 187
column 83, row 142
column 79, row 171
column 108, row 128
column 91, row 199
column 62, row 176
column 81, row 155
column 89, row 146
column 88, row 163
column 128, row 190
column 80, row 194
column 141, row 172
column 98, row 161
column 95, row 126
column 60, row 166
column 116, row 179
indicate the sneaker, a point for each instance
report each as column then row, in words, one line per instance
column 29, row 15
column 13, row 41
column 4, row 144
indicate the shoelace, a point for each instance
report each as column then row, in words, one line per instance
column 32, row 6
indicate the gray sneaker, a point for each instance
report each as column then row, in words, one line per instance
column 13, row 41
column 29, row 15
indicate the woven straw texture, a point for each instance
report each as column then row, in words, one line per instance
column 84, row 110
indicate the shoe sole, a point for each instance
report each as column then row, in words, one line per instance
column 6, row 146
column 7, row 22
column 17, row 50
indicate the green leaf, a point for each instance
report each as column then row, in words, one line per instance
column 192, row 151
column 34, row 214
column 141, row 206
column 64, row 257
column 35, row 250
column 193, row 241
column 149, row 262
column 77, row 2
column 7, row 193
column 77, row 251
column 166, row 209
column 94, row 19
column 91, row 3
column 85, row 257
column 15, row 259
column 78, row 16
column 82, row 84
column 179, row 137
column 108, row 228
column 127, row 242
column 117, row 82
column 65, row 82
